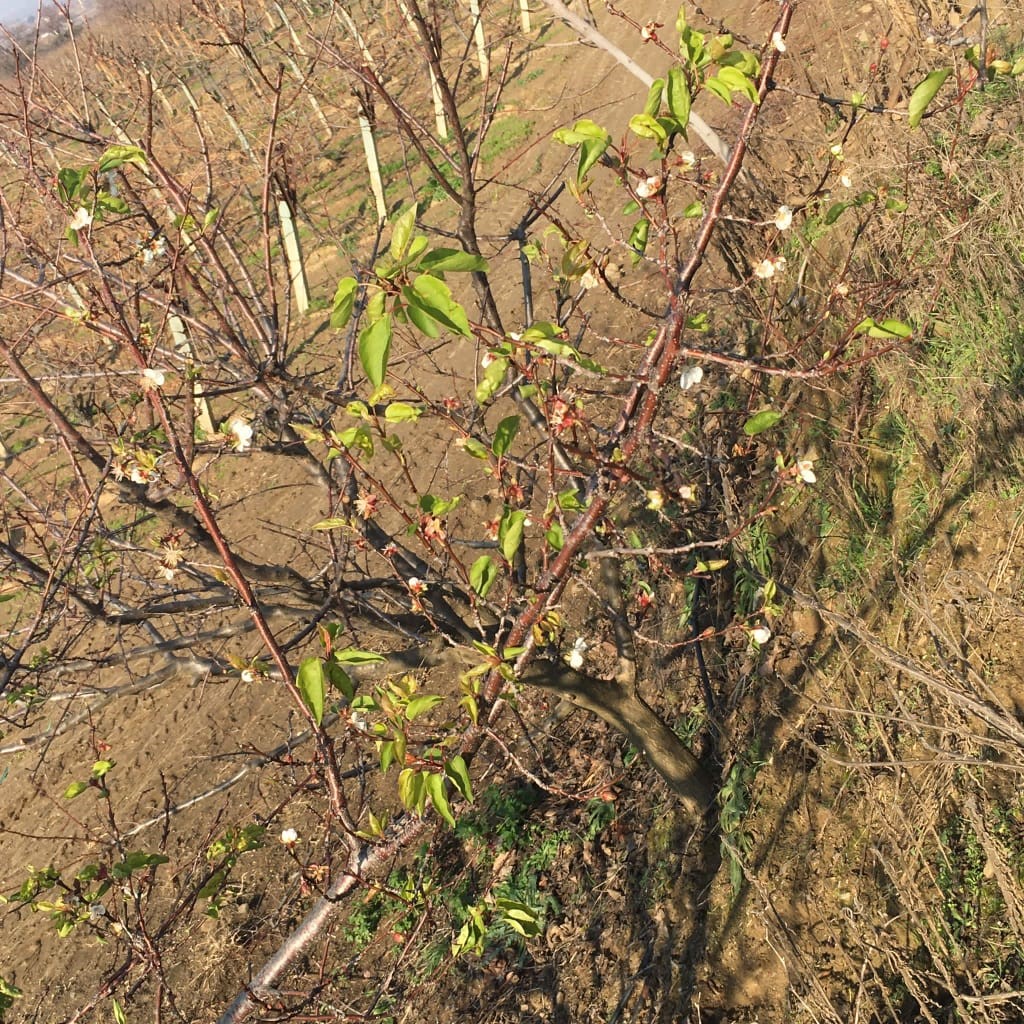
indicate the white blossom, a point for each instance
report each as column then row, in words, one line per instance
column 241, row 433
column 589, row 279
column 81, row 219
column 783, row 218
column 761, row 635
column 248, row 676
column 769, row 268
column 846, row 181
column 289, row 837
column 488, row 357
column 579, row 648
column 778, row 42
column 687, row 160
column 691, row 377
column 805, row 469
column 649, row 186
column 152, row 378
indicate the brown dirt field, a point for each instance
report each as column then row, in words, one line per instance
column 850, row 769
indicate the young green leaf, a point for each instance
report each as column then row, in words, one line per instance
column 452, row 260
column 653, row 104
column 457, row 771
column 887, row 329
column 69, row 183
column 925, row 93
column 592, row 139
column 510, row 532
column 638, row 238
column 482, row 575
column 374, row 349
column 310, row 683
column 344, row 300
column 119, row 1017
column 352, row 656
column 75, row 789
column 401, row 233
column 492, row 379
column 117, row 156
column 648, row 127
column 402, row 412
column 435, row 298
column 423, row 321
column 519, row 916
column 504, row 435
column 761, row 421
column 421, row 705
column 677, row 93
column 435, row 790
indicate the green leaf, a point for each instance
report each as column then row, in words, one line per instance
column 374, row 349
column 119, row 1017
column 510, row 532
column 648, row 127
column 580, row 132
column 117, row 156
column 310, row 683
column 761, row 421
column 452, row 260
column 333, row 523
column 412, row 789
column 924, row 94
column 69, row 182
column 475, row 448
column 653, row 103
column 344, row 300
column 423, row 321
column 137, row 861
column 504, row 435
column 593, row 141
column 210, row 217
column 435, row 506
column 695, row 209
column 638, row 238
column 457, row 771
column 402, row 412
column 835, row 211
column 555, row 536
column 482, row 575
column 75, row 789
column 110, row 204
column 887, row 329
column 492, row 379
column 735, row 80
column 435, row 790
column 352, row 656
column 519, row 916
column 100, row 768
column 340, row 679
column 421, row 705
column 677, row 93
column 719, row 89
column 435, row 298
column 401, row 233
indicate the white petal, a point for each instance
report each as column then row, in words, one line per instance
column 691, row 377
